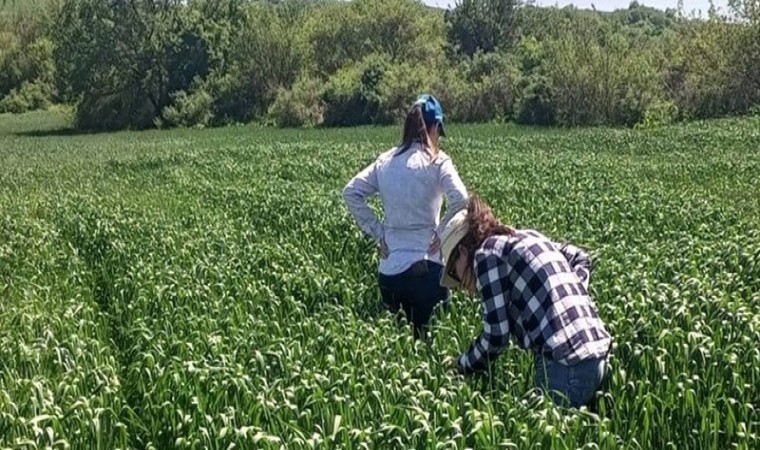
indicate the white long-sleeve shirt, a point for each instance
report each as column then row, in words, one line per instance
column 411, row 188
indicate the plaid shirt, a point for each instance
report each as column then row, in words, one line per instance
column 536, row 291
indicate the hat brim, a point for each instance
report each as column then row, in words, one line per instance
column 452, row 235
column 447, row 280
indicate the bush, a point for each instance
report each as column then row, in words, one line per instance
column 602, row 81
column 28, row 65
column 479, row 89
column 196, row 63
column 231, row 103
column 481, row 25
column 299, row 106
column 376, row 91
column 404, row 82
column 715, row 72
column 193, row 110
column 356, row 95
column 340, row 34
column 128, row 108
column 258, row 57
column 534, row 105
column 659, row 113
column 492, row 80
column 28, row 97
column 491, row 98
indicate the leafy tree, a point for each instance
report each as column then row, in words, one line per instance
column 481, row 25
column 340, row 34
column 266, row 55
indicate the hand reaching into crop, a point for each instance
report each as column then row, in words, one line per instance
column 451, row 364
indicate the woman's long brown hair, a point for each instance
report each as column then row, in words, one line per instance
column 481, row 224
column 415, row 130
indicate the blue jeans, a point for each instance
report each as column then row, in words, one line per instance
column 416, row 291
column 573, row 385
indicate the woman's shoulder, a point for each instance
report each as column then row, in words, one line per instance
column 390, row 152
column 497, row 244
column 441, row 160
column 442, row 157
column 386, row 155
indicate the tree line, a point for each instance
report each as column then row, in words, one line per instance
column 146, row 63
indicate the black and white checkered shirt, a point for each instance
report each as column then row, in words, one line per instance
column 535, row 291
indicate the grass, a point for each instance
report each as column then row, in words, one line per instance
column 204, row 288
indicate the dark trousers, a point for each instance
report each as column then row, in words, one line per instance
column 416, row 291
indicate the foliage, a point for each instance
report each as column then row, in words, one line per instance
column 195, row 109
column 482, row 88
column 266, row 56
column 355, row 95
column 481, row 25
column 709, row 77
column 659, row 114
column 204, row 288
column 133, row 54
column 340, row 34
column 534, row 103
column 601, row 81
column 22, row 66
column 299, row 106
column 28, row 97
column 125, row 64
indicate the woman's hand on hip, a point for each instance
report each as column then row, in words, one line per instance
column 435, row 244
column 384, row 252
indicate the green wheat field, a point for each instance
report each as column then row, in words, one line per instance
column 208, row 289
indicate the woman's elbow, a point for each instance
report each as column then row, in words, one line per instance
column 349, row 192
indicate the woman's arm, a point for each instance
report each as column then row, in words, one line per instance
column 493, row 285
column 579, row 260
column 356, row 193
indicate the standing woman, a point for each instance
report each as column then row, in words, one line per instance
column 534, row 291
column 412, row 180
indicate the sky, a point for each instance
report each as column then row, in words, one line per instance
column 609, row 5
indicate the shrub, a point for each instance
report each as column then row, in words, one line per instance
column 534, row 105
column 26, row 64
column 189, row 110
column 356, row 95
column 128, row 108
column 659, row 113
column 299, row 106
column 29, row 97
